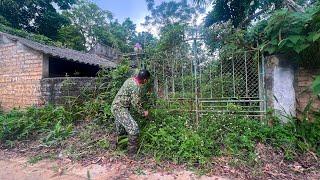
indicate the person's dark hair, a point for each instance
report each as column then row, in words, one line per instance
column 143, row 74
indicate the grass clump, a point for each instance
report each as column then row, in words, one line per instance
column 172, row 136
column 56, row 122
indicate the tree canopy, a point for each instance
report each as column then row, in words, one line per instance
column 171, row 12
column 77, row 24
column 241, row 13
column 36, row 16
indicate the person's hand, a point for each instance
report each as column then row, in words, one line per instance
column 146, row 113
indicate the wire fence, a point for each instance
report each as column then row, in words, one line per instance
column 202, row 83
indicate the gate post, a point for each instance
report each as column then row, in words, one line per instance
column 280, row 86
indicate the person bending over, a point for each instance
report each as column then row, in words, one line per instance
column 129, row 97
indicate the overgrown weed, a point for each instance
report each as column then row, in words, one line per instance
column 166, row 135
column 173, row 137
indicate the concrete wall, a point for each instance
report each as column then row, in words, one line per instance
column 20, row 73
column 288, row 87
column 106, row 52
column 55, row 90
column 280, row 80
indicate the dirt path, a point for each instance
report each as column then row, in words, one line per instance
column 18, row 168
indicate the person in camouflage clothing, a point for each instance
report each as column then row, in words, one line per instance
column 129, row 96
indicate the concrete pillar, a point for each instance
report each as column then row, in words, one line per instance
column 280, row 80
column 45, row 66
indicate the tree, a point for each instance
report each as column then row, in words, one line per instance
column 90, row 20
column 241, row 13
column 146, row 39
column 71, row 37
column 113, row 36
column 172, row 18
column 98, row 25
column 171, row 12
column 295, row 34
column 4, row 21
column 36, row 16
column 171, row 36
column 130, row 31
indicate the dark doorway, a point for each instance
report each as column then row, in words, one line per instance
column 62, row 68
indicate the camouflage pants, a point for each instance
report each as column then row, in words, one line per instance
column 123, row 119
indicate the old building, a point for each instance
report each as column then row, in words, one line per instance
column 26, row 66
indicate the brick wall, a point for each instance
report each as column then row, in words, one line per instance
column 20, row 75
column 304, row 79
column 55, row 90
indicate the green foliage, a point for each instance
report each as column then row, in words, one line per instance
column 117, row 78
column 99, row 26
column 316, row 85
column 31, row 36
column 284, row 31
column 80, row 24
column 173, row 136
column 171, row 36
column 294, row 33
column 240, row 13
column 171, row 12
column 146, row 39
column 46, row 20
column 95, row 103
column 121, row 36
column 71, row 37
column 4, row 21
column 18, row 124
column 170, row 134
column 88, row 18
column 307, row 131
column 167, row 134
column 223, row 37
column 58, row 134
column 55, row 123
column 103, row 143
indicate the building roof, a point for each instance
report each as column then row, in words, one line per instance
column 64, row 53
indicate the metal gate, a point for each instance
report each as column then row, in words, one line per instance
column 228, row 83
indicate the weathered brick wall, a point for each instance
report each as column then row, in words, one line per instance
column 20, row 75
column 304, row 79
column 56, row 90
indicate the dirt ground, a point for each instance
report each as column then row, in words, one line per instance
column 15, row 167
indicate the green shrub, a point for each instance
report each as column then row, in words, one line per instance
column 33, row 37
column 58, row 133
column 171, row 136
column 23, row 124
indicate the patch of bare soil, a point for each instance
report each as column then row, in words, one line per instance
column 269, row 164
column 14, row 166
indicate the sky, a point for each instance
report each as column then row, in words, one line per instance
column 121, row 9
column 135, row 9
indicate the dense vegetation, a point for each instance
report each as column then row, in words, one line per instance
column 171, row 135
column 165, row 135
column 279, row 27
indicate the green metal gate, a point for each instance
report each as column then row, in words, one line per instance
column 228, row 83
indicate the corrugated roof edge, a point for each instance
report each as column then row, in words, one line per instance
column 64, row 53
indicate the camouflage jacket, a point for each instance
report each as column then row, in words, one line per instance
column 127, row 96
